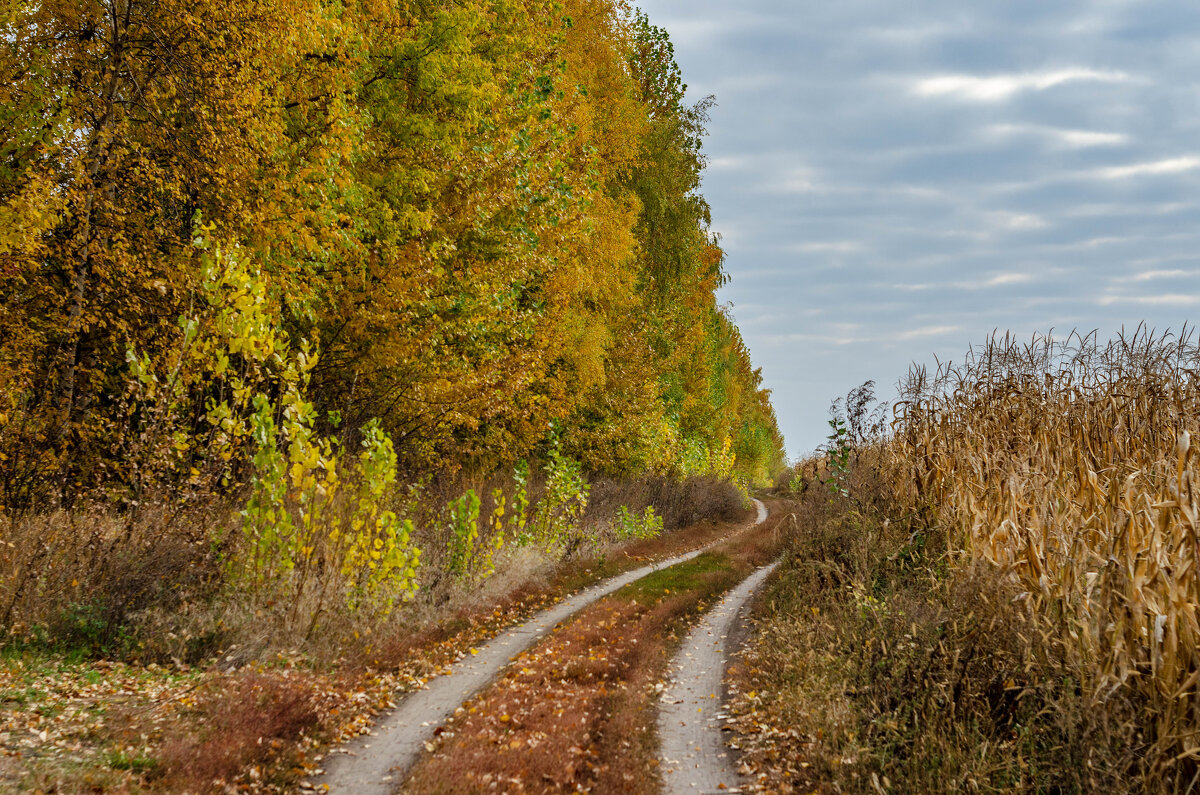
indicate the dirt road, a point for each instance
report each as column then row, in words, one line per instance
column 375, row 763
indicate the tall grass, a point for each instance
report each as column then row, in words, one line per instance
column 158, row 583
column 1067, row 467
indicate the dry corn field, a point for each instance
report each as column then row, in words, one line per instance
column 1069, row 467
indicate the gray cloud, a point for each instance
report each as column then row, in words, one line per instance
column 896, row 181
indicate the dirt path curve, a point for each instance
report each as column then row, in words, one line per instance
column 375, row 762
column 693, row 752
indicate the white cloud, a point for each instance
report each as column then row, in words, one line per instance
column 928, row 331
column 998, row 88
column 838, row 334
column 692, row 30
column 1162, row 274
column 728, row 163
column 1167, row 299
column 999, row 280
column 1158, row 263
column 820, row 339
column 1154, row 275
column 911, row 35
column 826, row 247
column 1173, row 165
column 1008, row 278
column 1069, row 139
column 1127, row 210
column 1090, row 243
column 1080, row 139
column 740, row 84
column 1165, row 167
column 796, row 180
column 1015, row 222
column 918, row 192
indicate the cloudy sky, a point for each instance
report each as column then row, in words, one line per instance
column 893, row 181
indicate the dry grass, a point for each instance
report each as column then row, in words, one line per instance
column 150, row 583
column 679, row 503
column 69, row 727
column 84, row 580
column 872, row 668
column 251, row 727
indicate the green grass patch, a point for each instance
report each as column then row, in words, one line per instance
column 133, row 762
column 696, row 574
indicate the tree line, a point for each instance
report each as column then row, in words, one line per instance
column 473, row 226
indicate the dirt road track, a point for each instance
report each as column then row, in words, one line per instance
column 375, row 763
column 693, row 752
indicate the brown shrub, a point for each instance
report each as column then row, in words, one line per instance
column 241, row 723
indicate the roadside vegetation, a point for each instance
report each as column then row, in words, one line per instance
column 260, row 718
column 999, row 594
